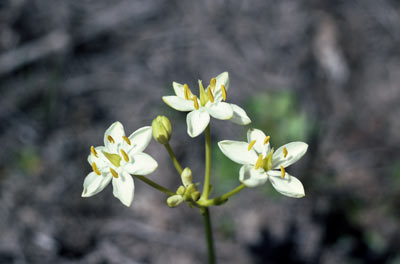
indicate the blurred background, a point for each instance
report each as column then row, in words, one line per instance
column 323, row 72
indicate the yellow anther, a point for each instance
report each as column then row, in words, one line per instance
column 127, row 140
column 114, row 173
column 251, row 144
column 223, row 92
column 259, row 162
column 210, row 95
column 126, row 157
column 213, row 82
column 285, row 152
column 110, row 138
column 196, row 104
column 266, row 140
column 186, row 91
column 95, row 169
column 94, row 152
column 283, row 172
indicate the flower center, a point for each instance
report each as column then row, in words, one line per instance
column 115, row 159
column 264, row 162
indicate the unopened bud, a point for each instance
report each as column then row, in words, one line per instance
column 181, row 190
column 174, row 200
column 162, row 129
column 188, row 194
column 195, row 195
column 187, row 177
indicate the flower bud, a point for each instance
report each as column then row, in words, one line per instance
column 181, row 190
column 187, row 195
column 174, row 200
column 162, row 129
column 195, row 195
column 187, row 177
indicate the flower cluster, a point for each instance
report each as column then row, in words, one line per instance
column 122, row 158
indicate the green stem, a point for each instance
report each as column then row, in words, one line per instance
column 209, row 235
column 206, row 185
column 155, row 185
column 221, row 199
column 173, row 158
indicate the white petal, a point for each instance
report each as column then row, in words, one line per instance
column 123, row 188
column 94, row 184
column 220, row 110
column 223, row 78
column 142, row 164
column 296, row 150
column 251, row 177
column 179, row 90
column 238, row 151
column 289, row 185
column 140, row 139
column 196, row 122
column 259, row 137
column 116, row 131
column 178, row 103
column 239, row 116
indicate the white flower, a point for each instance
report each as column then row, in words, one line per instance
column 261, row 163
column 209, row 103
column 116, row 160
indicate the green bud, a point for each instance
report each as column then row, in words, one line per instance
column 162, row 129
column 174, row 200
column 187, row 196
column 195, row 195
column 181, row 190
column 187, row 177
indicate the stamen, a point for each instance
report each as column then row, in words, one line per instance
column 110, row 138
column 285, row 152
column 95, row 169
column 223, row 92
column 127, row 140
column 259, row 162
column 210, row 95
column 266, row 140
column 114, row 173
column 196, row 104
column 126, row 157
column 283, row 172
column 186, row 91
column 251, row 144
column 94, row 152
column 213, row 82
